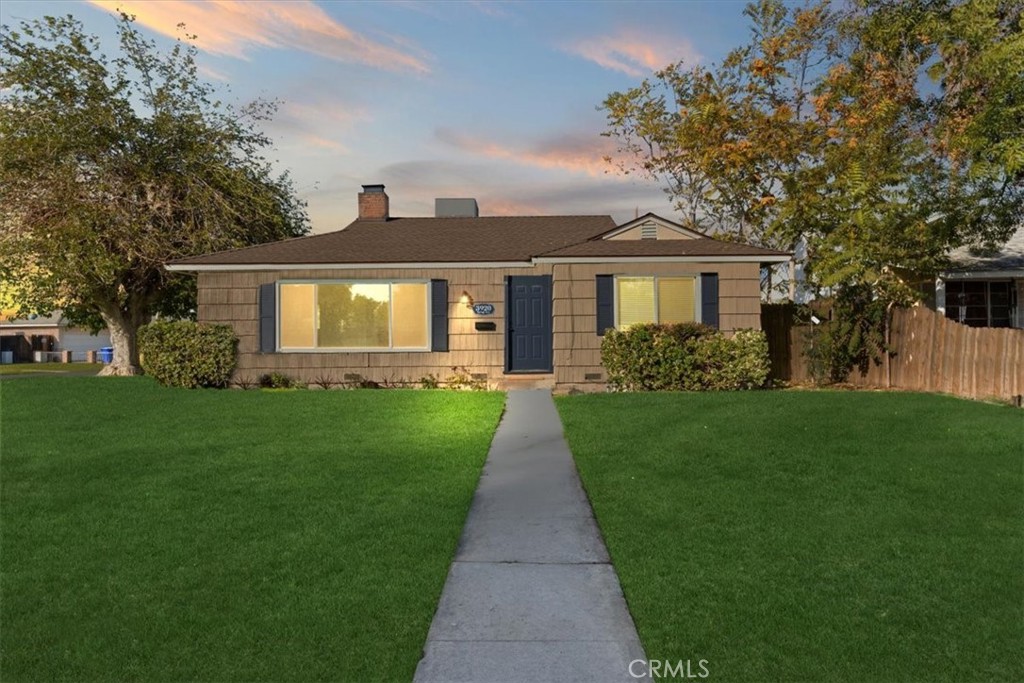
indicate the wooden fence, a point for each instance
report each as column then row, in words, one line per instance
column 929, row 353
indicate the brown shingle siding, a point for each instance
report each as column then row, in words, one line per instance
column 576, row 344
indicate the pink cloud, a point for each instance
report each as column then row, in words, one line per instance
column 212, row 74
column 318, row 123
column 577, row 154
column 499, row 206
column 233, row 27
column 329, row 113
column 634, row 53
column 324, row 143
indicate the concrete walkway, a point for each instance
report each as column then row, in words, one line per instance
column 531, row 595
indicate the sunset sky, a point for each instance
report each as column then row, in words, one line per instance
column 491, row 100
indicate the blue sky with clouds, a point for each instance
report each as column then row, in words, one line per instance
column 493, row 100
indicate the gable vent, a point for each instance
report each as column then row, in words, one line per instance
column 649, row 231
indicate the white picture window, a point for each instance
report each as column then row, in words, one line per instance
column 354, row 315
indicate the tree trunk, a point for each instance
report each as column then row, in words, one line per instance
column 123, row 337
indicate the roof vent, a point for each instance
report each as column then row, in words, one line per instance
column 456, row 208
column 649, row 231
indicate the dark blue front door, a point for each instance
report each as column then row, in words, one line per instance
column 528, row 318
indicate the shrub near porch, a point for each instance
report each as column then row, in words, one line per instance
column 684, row 357
column 168, row 534
column 813, row 535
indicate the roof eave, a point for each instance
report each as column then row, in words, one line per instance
column 207, row 267
column 990, row 274
column 718, row 258
column 227, row 267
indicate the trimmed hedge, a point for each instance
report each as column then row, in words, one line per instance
column 684, row 357
column 187, row 354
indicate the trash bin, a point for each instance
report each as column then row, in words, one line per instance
column 107, row 354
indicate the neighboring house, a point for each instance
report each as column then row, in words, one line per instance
column 984, row 290
column 47, row 335
column 503, row 298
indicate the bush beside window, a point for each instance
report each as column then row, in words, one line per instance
column 684, row 357
column 188, row 354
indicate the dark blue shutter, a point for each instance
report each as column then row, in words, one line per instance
column 268, row 318
column 438, row 315
column 605, row 303
column 709, row 299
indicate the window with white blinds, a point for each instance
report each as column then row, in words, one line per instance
column 676, row 299
column 654, row 300
column 634, row 301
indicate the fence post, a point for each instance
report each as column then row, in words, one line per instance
column 887, row 351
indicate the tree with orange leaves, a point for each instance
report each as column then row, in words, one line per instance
column 825, row 130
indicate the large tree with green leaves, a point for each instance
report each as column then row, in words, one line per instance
column 922, row 128
column 826, row 130
column 111, row 167
column 732, row 141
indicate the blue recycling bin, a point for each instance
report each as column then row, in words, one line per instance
column 107, row 354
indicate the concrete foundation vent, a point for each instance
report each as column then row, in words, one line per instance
column 456, row 208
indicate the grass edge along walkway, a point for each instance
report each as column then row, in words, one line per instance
column 159, row 534
column 813, row 535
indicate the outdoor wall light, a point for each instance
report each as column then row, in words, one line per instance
column 466, row 300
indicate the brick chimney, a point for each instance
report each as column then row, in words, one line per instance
column 373, row 203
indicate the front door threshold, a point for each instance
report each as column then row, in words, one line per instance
column 522, row 380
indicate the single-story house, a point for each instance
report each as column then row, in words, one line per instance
column 510, row 300
column 984, row 289
column 44, row 337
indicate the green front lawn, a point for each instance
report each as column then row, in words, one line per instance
column 160, row 534
column 804, row 536
column 48, row 368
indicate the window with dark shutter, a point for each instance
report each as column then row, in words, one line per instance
column 268, row 318
column 709, row 299
column 438, row 315
column 605, row 303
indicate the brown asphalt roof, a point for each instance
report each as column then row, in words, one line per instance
column 422, row 240
column 683, row 247
column 457, row 240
